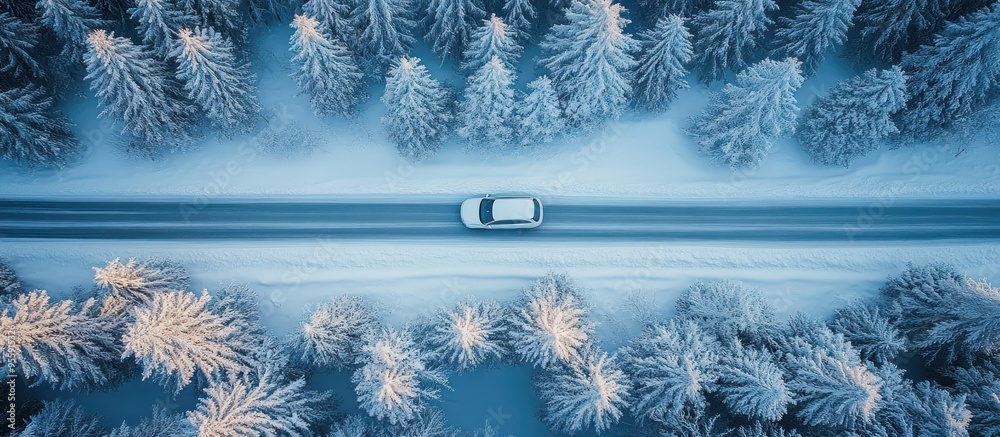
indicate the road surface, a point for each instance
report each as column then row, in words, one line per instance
column 566, row 219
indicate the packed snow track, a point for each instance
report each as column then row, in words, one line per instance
column 436, row 220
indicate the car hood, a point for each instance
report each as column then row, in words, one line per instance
column 470, row 211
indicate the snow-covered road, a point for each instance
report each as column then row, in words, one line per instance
column 566, row 220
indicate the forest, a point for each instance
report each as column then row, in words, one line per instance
column 917, row 358
column 168, row 72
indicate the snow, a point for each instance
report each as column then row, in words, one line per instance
column 641, row 155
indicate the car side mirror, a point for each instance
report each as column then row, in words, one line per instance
column 487, row 195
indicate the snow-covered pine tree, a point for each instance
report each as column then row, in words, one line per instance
column 175, row 336
column 589, row 58
column 728, row 310
column 215, row 79
column 72, row 21
column 982, row 383
column 663, row 51
column 816, row 27
column 888, row 28
column 493, row 39
column 485, row 115
column 868, row 329
column 61, row 418
column 518, row 15
column 159, row 22
column 541, row 120
column 657, row 9
column 262, row 12
column 221, row 15
column 385, row 32
column 238, row 307
column 450, row 24
column 920, row 293
column 551, row 326
column 31, row 131
column 752, row 385
column 17, row 44
column 672, row 367
column 727, row 34
column 939, row 412
column 953, row 76
column 160, row 424
column 419, row 112
column 133, row 87
column 966, row 326
column 832, row 386
column 61, row 344
column 469, row 334
column 137, row 281
column 326, row 70
column 761, row 430
column 240, row 406
column 589, row 395
column 335, row 332
column 740, row 124
column 854, row 118
column 10, row 283
column 353, row 426
column 395, row 380
column 333, row 17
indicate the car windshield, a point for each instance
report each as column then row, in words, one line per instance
column 538, row 211
column 486, row 211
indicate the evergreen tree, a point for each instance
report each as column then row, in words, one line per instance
column 64, row 345
column 540, row 118
column 867, row 328
column 214, row 79
column 982, row 383
column 385, row 28
column 238, row 307
column 493, row 39
column 485, row 115
column 888, row 28
column 550, row 327
column 940, row 413
column 17, row 45
column 831, row 384
column 10, row 284
column 953, row 77
column 133, row 87
column 326, row 70
column 727, row 34
column 335, row 332
column 31, row 131
column 137, row 282
column 518, row 14
column 663, row 51
column 672, row 368
column 159, row 22
column 175, row 336
column 160, row 424
column 740, row 124
column 72, row 21
column 590, row 395
column 658, row 9
column 221, row 15
column 395, row 381
column 589, row 59
column 920, row 292
column 728, row 310
column 966, row 325
column 419, row 109
column 265, row 11
column 816, row 27
column 751, row 384
column 470, row 334
column 240, row 406
column 450, row 24
column 62, row 418
column 855, row 118
column 333, row 16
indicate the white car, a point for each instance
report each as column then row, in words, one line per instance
column 506, row 212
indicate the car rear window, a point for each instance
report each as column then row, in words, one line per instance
column 486, row 211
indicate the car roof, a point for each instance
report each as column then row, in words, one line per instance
column 513, row 208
